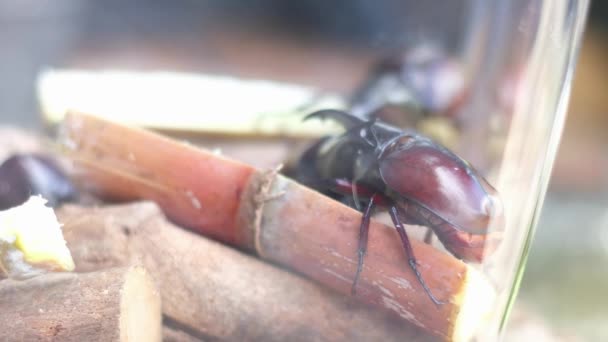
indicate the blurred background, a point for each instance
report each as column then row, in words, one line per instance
column 566, row 275
column 564, row 285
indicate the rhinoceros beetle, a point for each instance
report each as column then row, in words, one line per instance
column 419, row 182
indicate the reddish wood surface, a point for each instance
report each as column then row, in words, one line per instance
column 196, row 188
column 318, row 237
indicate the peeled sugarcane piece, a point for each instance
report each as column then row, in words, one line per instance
column 278, row 219
column 212, row 292
column 140, row 98
column 31, row 241
column 114, row 305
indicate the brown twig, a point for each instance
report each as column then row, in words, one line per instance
column 112, row 305
column 213, row 292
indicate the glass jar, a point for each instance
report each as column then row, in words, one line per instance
column 488, row 80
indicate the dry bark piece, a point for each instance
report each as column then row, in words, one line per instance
column 113, row 305
column 210, row 291
column 172, row 334
column 279, row 219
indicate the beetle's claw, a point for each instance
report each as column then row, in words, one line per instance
column 413, row 264
column 436, row 301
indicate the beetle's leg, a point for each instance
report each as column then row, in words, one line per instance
column 410, row 253
column 428, row 236
column 355, row 195
column 363, row 234
column 343, row 186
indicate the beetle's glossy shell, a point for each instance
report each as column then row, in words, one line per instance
column 425, row 173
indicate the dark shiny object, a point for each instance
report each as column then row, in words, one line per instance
column 418, row 180
column 424, row 79
column 22, row 176
column 435, row 188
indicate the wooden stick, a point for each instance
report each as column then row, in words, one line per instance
column 113, row 305
column 172, row 334
column 210, row 291
column 279, row 219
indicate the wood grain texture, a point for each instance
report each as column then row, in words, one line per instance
column 97, row 306
column 212, row 292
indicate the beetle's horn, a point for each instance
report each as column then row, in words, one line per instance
column 348, row 121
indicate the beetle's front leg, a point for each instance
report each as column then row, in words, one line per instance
column 410, row 253
column 428, row 236
column 363, row 234
column 343, row 186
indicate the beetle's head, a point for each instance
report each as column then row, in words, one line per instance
column 418, row 169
